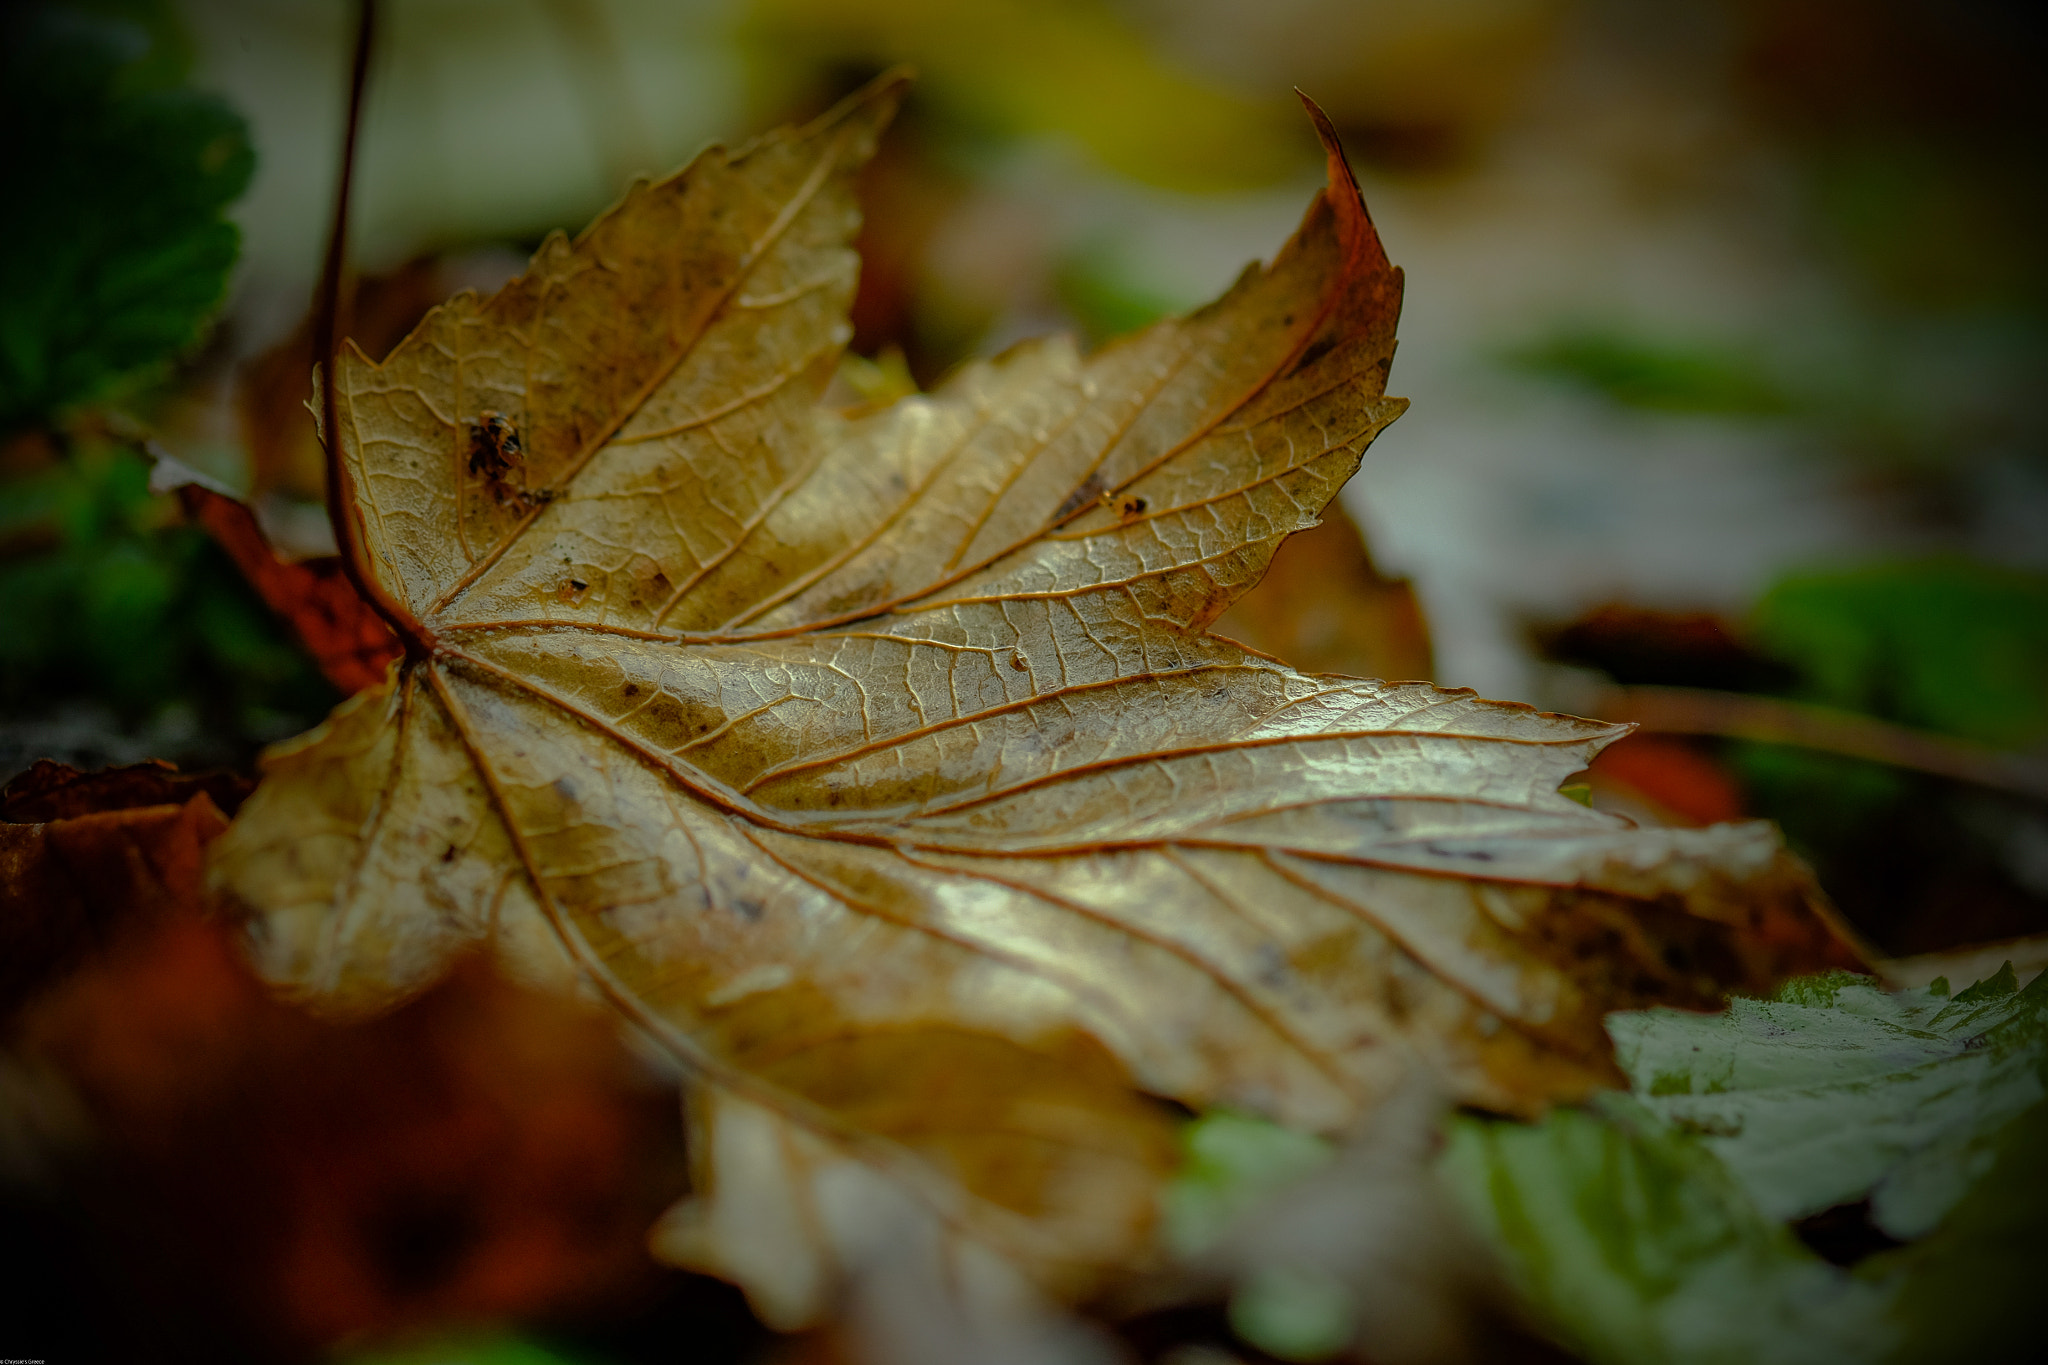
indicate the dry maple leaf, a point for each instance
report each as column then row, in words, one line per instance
column 882, row 767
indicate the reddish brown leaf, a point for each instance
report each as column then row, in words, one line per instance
column 348, row 640
column 483, row 1153
column 58, row 791
column 68, row 886
column 1325, row 607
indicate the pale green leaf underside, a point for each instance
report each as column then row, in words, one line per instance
column 1838, row 1090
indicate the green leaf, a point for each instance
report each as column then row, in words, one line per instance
column 1969, row 1289
column 1837, row 1090
column 1652, row 1226
column 1636, row 1245
column 1943, row 644
column 118, row 248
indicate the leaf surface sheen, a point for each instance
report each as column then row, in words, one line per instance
column 804, row 733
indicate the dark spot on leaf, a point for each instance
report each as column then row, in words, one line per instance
column 1090, row 490
column 1314, row 353
column 749, row 910
column 448, row 854
column 630, row 690
column 578, row 584
column 495, row 451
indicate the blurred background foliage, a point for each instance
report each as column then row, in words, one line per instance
column 117, row 175
column 1726, row 332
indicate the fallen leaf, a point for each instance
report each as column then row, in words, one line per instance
column 892, row 749
column 1052, row 1136
column 1650, row 1226
column 285, row 455
column 349, row 641
column 57, row 791
column 1836, row 1090
column 1324, row 607
column 261, row 1179
column 1633, row 1243
column 71, row 882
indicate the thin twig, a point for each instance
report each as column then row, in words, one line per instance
column 1736, row 715
column 328, row 318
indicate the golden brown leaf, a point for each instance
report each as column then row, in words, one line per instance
column 1058, row 1151
column 895, row 746
column 1325, row 607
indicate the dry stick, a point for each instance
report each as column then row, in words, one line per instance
column 341, row 503
column 1736, row 715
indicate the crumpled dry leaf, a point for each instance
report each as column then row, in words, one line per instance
column 816, row 740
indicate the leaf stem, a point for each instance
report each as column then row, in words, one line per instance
column 328, row 315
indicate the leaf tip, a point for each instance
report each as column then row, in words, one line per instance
column 1361, row 242
column 1333, row 148
column 878, row 100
